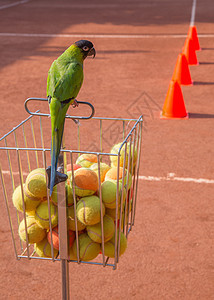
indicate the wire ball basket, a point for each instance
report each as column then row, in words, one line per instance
column 27, row 147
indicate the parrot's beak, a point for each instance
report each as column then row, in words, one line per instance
column 92, row 52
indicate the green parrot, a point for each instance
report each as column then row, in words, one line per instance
column 64, row 81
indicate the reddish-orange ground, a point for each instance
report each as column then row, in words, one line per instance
column 170, row 251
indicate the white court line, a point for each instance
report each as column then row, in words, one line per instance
column 97, row 5
column 13, row 4
column 100, row 36
column 172, row 177
column 192, row 20
column 169, row 177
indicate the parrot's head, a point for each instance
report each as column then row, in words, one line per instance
column 86, row 47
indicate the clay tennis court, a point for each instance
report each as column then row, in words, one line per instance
column 170, row 250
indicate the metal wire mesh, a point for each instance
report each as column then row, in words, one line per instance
column 27, row 147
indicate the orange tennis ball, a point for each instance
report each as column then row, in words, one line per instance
column 86, row 182
column 112, row 176
column 75, row 167
column 103, row 170
column 55, row 237
column 86, row 160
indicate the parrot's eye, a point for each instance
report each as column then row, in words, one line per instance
column 85, row 48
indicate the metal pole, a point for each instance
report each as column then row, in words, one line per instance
column 63, row 235
column 65, row 279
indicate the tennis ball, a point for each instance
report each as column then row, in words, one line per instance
column 43, row 248
column 71, row 255
column 71, row 221
column 75, row 167
column 109, row 247
column 69, row 180
column 109, row 193
column 95, row 231
column 103, row 170
column 112, row 213
column 55, row 237
column 88, row 249
column 86, row 160
column 69, row 195
column 71, row 237
column 36, row 183
column 42, row 216
column 85, row 181
column 30, row 213
column 88, row 210
column 30, row 202
column 115, row 150
column 112, row 175
column 69, row 189
column 34, row 231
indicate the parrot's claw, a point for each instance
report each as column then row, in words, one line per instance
column 75, row 103
column 60, row 177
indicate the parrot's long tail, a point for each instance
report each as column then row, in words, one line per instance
column 56, row 141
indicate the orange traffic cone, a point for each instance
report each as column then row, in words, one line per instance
column 181, row 72
column 189, row 52
column 174, row 106
column 192, row 34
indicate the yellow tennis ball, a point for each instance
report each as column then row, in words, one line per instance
column 85, row 181
column 36, row 183
column 43, row 248
column 95, row 231
column 42, row 215
column 88, row 249
column 86, row 160
column 30, row 213
column 115, row 150
column 30, row 202
column 112, row 213
column 112, row 175
column 109, row 193
column 68, row 193
column 34, row 232
column 71, row 221
column 88, row 210
column 103, row 170
column 69, row 189
column 71, row 255
column 109, row 247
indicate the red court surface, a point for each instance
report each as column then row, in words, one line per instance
column 170, row 251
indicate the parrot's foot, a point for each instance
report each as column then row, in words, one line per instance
column 75, row 103
column 60, row 177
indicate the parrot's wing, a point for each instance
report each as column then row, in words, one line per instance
column 65, row 81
